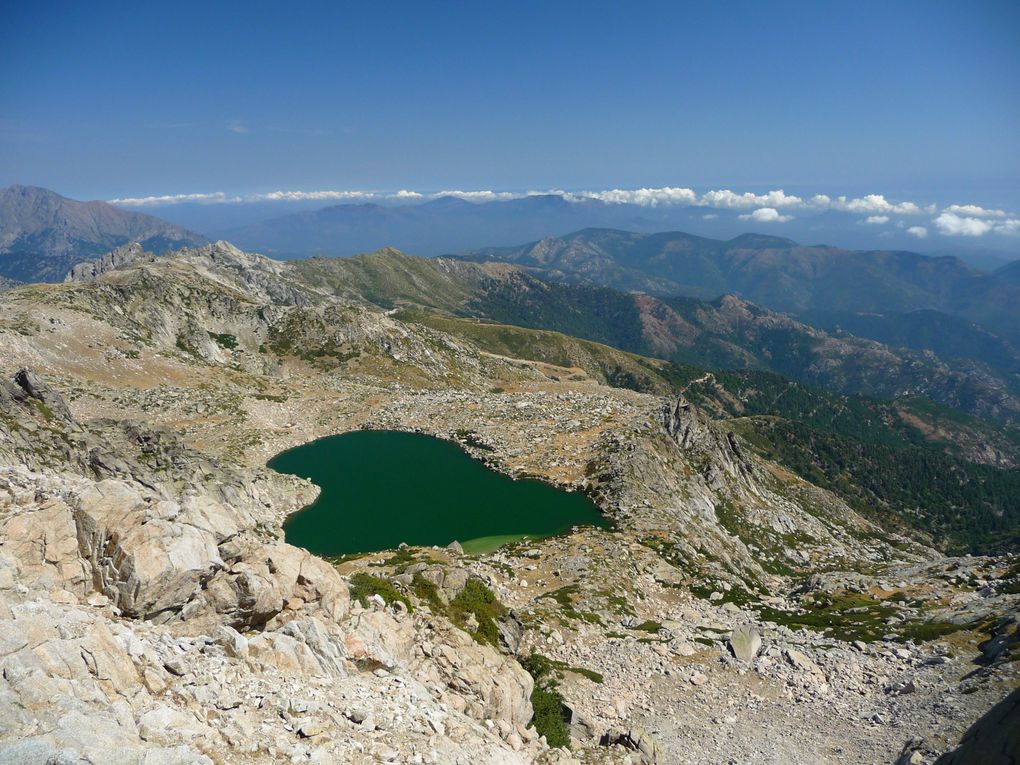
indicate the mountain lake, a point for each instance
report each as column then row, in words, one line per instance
column 380, row 488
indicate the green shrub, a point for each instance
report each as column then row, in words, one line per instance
column 428, row 592
column 362, row 585
column 224, row 340
column 480, row 601
column 549, row 713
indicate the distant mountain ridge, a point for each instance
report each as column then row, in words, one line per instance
column 43, row 234
column 446, row 224
column 773, row 272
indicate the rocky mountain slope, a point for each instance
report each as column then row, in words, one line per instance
column 773, row 272
column 151, row 611
column 43, row 234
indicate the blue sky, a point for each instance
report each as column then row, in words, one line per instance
column 914, row 100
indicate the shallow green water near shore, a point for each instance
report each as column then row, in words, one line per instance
column 381, row 488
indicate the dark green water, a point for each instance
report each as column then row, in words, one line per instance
column 381, row 488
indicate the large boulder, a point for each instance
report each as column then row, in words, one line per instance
column 744, row 643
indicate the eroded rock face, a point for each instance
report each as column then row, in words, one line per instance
column 693, row 478
column 146, row 556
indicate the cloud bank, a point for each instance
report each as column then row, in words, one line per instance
column 771, row 207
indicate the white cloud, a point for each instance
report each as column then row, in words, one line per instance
column 667, row 195
column 975, row 211
column 875, row 203
column 952, row 224
column 301, row 196
column 766, row 215
column 481, row 196
column 919, row 231
column 731, row 200
column 875, row 209
column 237, row 126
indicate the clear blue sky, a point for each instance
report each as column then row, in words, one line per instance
column 103, row 100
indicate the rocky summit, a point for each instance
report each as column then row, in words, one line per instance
column 152, row 613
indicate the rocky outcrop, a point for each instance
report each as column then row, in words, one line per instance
column 26, row 391
column 689, row 481
column 498, row 686
column 722, row 458
column 639, row 740
column 128, row 254
column 273, row 584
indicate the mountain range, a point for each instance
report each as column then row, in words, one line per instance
column 819, row 281
column 749, row 512
column 725, row 333
column 298, row 225
column 883, row 323
column 43, row 234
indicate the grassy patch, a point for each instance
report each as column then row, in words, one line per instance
column 401, row 558
column 852, row 616
column 427, row 591
column 921, row 632
column 737, row 595
column 564, row 597
column 44, row 410
column 846, row 617
column 648, row 626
